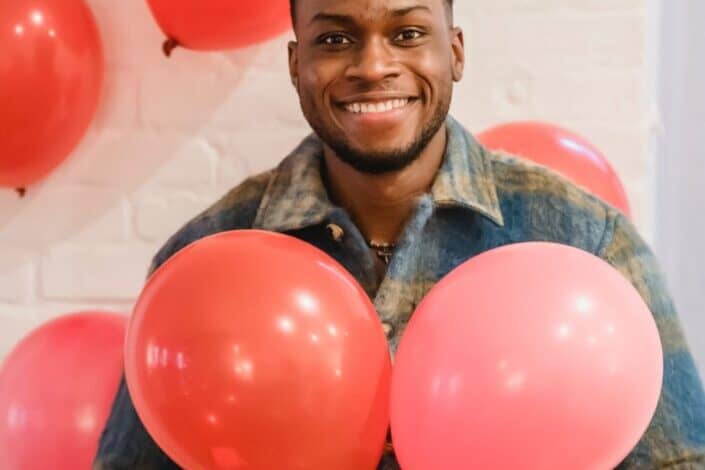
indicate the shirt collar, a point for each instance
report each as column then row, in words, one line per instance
column 296, row 196
column 465, row 178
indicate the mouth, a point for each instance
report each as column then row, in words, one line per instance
column 377, row 108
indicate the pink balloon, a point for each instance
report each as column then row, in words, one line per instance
column 51, row 74
column 529, row 356
column 213, row 25
column 253, row 350
column 56, row 389
column 562, row 151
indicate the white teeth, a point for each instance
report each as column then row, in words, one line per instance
column 378, row 107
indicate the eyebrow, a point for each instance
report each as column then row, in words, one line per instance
column 405, row 11
column 348, row 19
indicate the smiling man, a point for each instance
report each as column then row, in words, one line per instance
column 400, row 194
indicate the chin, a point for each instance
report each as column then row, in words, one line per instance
column 373, row 149
column 383, row 145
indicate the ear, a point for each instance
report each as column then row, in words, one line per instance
column 458, row 48
column 294, row 64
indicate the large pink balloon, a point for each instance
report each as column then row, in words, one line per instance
column 56, row 390
column 564, row 152
column 530, row 356
column 252, row 350
column 51, row 73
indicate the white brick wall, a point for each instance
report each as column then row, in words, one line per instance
column 171, row 135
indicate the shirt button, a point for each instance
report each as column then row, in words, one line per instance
column 388, row 329
column 336, row 232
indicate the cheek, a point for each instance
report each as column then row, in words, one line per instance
column 434, row 69
column 316, row 79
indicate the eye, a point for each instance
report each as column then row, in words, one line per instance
column 334, row 39
column 409, row 35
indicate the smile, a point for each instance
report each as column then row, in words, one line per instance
column 377, row 107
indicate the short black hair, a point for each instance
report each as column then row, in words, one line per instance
column 292, row 9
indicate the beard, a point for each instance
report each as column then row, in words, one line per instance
column 377, row 162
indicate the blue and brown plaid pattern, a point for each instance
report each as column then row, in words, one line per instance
column 479, row 201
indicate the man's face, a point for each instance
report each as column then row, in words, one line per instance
column 374, row 77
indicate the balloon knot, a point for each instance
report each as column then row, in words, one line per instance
column 21, row 191
column 169, row 45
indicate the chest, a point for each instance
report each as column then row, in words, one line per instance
column 432, row 244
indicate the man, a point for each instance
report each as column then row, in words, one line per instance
column 400, row 194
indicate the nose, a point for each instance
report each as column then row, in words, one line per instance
column 374, row 62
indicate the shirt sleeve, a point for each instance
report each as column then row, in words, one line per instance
column 125, row 443
column 675, row 438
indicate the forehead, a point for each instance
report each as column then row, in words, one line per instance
column 363, row 10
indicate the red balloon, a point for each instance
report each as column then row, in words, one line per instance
column 220, row 24
column 255, row 350
column 56, row 390
column 562, row 151
column 51, row 73
column 531, row 356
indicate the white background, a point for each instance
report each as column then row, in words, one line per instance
column 171, row 135
column 680, row 170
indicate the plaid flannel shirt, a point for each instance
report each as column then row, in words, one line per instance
column 479, row 200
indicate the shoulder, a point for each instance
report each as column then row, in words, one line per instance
column 235, row 210
column 541, row 205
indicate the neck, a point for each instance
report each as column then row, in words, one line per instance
column 380, row 205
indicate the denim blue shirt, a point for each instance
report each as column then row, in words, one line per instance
column 479, row 200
